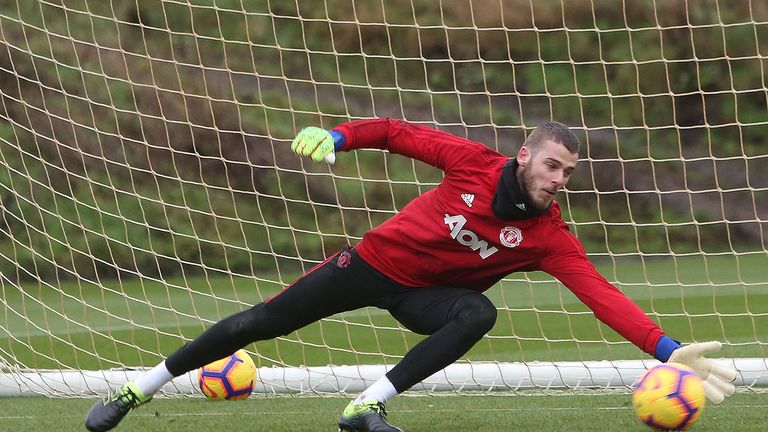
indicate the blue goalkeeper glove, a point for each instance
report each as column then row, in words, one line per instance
column 717, row 379
column 317, row 144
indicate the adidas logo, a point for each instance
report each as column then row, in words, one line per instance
column 468, row 198
column 521, row 206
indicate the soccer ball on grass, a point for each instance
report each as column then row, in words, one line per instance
column 230, row 378
column 669, row 396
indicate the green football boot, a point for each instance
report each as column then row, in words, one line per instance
column 368, row 416
column 106, row 414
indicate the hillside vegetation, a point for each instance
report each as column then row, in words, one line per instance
column 152, row 137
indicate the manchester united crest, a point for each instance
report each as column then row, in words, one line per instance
column 511, row 236
column 345, row 258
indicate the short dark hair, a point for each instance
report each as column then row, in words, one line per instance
column 554, row 131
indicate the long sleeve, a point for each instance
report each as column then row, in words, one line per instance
column 570, row 265
column 439, row 149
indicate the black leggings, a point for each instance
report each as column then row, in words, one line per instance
column 454, row 318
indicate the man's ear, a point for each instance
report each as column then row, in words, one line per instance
column 523, row 156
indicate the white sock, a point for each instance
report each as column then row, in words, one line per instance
column 381, row 390
column 150, row 382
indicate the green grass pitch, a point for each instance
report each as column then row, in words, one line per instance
column 743, row 412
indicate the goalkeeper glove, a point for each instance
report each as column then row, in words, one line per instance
column 717, row 380
column 317, row 143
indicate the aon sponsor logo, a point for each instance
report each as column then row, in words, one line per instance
column 467, row 237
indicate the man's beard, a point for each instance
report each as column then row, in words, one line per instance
column 526, row 179
column 511, row 201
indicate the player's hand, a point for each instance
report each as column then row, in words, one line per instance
column 718, row 380
column 315, row 143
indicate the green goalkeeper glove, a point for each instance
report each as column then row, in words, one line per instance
column 717, row 379
column 316, row 143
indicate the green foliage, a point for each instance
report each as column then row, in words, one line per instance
column 152, row 135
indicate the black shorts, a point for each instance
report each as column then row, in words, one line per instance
column 346, row 282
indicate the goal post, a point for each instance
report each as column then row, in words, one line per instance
column 147, row 188
column 457, row 378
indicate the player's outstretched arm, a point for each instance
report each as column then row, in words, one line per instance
column 718, row 380
column 317, row 143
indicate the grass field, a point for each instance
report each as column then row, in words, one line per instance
column 721, row 298
column 742, row 412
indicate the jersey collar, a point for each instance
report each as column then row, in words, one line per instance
column 510, row 202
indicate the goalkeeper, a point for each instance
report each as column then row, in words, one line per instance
column 430, row 264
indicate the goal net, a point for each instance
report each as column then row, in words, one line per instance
column 148, row 189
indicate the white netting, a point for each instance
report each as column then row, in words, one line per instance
column 148, row 190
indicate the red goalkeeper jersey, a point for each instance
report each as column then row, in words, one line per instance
column 450, row 236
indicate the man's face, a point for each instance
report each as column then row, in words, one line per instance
column 545, row 171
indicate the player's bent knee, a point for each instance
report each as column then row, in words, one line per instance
column 476, row 313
